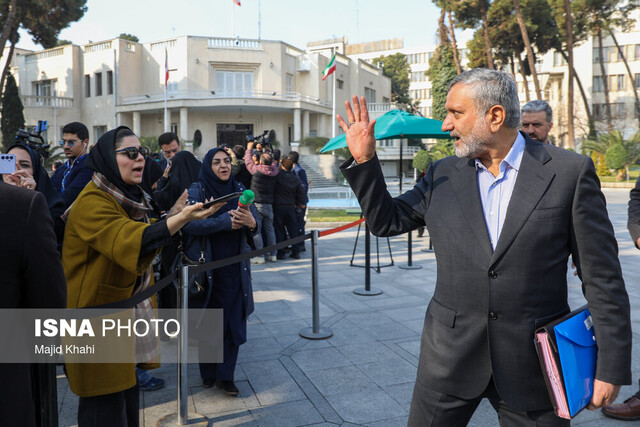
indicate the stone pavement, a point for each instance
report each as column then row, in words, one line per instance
column 364, row 374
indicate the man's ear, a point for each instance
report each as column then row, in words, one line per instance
column 496, row 116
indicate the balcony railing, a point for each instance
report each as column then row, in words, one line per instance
column 215, row 95
column 231, row 43
column 35, row 101
column 388, row 153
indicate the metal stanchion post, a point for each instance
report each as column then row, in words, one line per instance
column 430, row 249
column 183, row 417
column 367, row 266
column 409, row 265
column 316, row 332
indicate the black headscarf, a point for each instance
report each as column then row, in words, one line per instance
column 185, row 170
column 151, row 173
column 213, row 185
column 102, row 158
column 43, row 182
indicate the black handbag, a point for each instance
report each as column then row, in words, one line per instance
column 198, row 283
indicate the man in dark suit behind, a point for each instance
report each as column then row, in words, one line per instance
column 504, row 215
column 32, row 277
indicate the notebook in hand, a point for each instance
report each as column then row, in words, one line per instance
column 567, row 351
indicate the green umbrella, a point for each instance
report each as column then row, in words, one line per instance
column 397, row 124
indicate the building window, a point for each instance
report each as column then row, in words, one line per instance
column 289, row 83
column 636, row 50
column 87, row 86
column 596, row 54
column 340, row 83
column 558, row 59
column 98, row 78
column 637, row 79
column 44, row 89
column 618, row 111
column 617, row 82
column 174, row 128
column 98, row 131
column 109, row 82
column 370, row 95
column 598, row 85
column 238, row 83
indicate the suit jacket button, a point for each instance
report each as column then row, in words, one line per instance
column 493, row 316
column 492, row 274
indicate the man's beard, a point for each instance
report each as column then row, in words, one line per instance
column 475, row 143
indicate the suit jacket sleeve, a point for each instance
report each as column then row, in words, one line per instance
column 385, row 215
column 595, row 253
column 44, row 281
column 633, row 223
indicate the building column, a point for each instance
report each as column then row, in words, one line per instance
column 184, row 124
column 296, row 125
column 305, row 123
column 118, row 120
column 322, row 124
column 136, row 123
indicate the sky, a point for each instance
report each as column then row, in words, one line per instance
column 293, row 21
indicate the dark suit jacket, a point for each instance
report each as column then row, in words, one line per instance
column 487, row 304
column 32, row 277
column 633, row 223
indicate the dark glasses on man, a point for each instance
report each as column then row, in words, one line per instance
column 70, row 142
column 132, row 152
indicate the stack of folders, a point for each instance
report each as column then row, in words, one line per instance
column 567, row 352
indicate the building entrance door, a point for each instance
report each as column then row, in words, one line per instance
column 233, row 134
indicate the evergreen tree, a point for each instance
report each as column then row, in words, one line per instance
column 12, row 117
column 442, row 70
column 397, row 69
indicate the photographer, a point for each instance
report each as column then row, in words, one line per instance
column 263, row 184
column 31, row 175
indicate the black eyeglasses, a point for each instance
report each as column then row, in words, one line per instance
column 70, row 142
column 132, row 152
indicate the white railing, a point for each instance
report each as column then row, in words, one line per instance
column 231, row 43
column 213, row 95
column 165, row 44
column 44, row 54
column 96, row 47
column 381, row 107
column 35, row 101
column 394, row 152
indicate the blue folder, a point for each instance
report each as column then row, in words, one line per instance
column 577, row 350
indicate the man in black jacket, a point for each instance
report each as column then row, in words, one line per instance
column 288, row 196
column 71, row 177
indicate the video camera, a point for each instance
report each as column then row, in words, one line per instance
column 261, row 139
column 34, row 140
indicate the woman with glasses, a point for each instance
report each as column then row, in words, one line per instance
column 30, row 174
column 107, row 254
column 227, row 233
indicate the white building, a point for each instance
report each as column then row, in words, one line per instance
column 224, row 88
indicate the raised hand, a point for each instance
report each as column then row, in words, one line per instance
column 360, row 131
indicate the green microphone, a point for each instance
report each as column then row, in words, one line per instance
column 246, row 199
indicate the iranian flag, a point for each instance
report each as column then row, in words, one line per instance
column 237, row 2
column 330, row 68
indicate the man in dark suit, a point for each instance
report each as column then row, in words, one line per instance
column 504, row 215
column 32, row 277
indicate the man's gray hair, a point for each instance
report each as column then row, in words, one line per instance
column 537, row 106
column 489, row 88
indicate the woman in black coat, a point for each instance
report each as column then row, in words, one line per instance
column 225, row 234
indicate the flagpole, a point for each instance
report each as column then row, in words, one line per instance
column 259, row 20
column 166, row 72
column 333, row 116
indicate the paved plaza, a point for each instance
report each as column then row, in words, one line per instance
column 363, row 374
